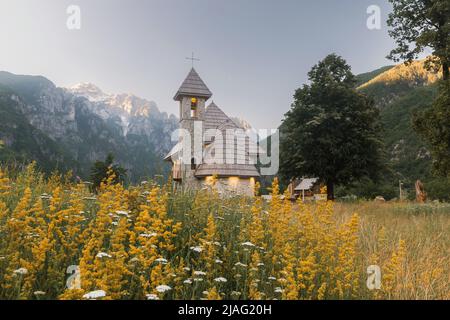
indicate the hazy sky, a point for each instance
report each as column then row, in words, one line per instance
column 254, row 53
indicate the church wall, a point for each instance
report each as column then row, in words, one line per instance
column 231, row 186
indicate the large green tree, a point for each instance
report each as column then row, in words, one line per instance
column 420, row 24
column 332, row 131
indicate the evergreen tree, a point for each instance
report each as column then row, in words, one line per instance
column 332, row 131
column 99, row 171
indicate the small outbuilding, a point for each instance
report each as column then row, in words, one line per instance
column 306, row 189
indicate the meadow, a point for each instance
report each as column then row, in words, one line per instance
column 59, row 240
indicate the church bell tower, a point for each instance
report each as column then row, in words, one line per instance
column 192, row 96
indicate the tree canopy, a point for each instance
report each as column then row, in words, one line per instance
column 416, row 25
column 331, row 131
column 434, row 125
column 420, row 24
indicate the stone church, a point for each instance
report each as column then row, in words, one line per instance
column 215, row 146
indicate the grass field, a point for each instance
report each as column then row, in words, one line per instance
column 60, row 241
column 425, row 229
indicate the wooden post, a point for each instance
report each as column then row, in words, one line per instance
column 421, row 195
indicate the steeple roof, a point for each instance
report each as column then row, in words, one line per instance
column 193, row 85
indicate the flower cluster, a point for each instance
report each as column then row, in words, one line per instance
column 147, row 242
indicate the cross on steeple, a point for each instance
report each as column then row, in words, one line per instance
column 192, row 59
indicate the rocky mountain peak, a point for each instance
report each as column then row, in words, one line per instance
column 88, row 90
column 123, row 104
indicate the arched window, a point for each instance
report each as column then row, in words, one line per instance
column 194, row 102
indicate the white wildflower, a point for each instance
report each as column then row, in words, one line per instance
column 95, row 294
column 161, row 260
column 148, row 235
column 163, row 288
column 240, row 264
column 247, row 244
column 21, row 271
column 102, row 255
column 199, row 273
column 123, row 213
column 197, row 249
column 220, row 279
column 152, row 296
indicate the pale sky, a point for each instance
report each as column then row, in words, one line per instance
column 254, row 53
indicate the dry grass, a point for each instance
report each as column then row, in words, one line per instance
column 425, row 228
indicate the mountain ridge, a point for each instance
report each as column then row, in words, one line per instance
column 399, row 92
column 83, row 124
column 75, row 124
column 70, row 128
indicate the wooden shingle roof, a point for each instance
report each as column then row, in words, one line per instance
column 215, row 117
column 194, row 86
